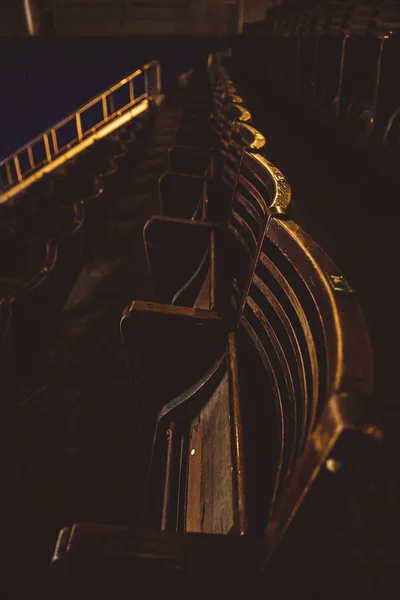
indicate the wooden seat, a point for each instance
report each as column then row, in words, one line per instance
column 329, row 65
column 194, row 148
column 223, row 93
column 296, row 375
column 191, row 196
column 205, row 85
column 369, row 95
column 288, row 384
column 388, row 151
column 101, row 165
column 46, row 271
column 204, row 266
column 329, row 69
column 388, row 111
column 201, row 132
column 360, row 80
column 205, row 93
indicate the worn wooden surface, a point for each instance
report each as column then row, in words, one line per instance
column 210, row 498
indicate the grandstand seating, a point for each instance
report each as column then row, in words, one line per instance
column 338, row 65
column 252, row 366
column 47, row 234
column 249, row 363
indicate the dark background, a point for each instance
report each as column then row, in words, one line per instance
column 45, row 79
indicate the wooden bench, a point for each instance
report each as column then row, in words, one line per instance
column 288, row 384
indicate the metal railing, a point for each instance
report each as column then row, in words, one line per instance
column 81, row 128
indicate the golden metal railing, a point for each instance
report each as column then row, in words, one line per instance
column 68, row 137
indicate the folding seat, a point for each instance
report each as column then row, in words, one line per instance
column 141, row 127
column 204, row 77
column 127, row 137
column 251, row 397
column 203, row 123
column 329, row 63
column 307, row 50
column 96, row 165
column 387, row 129
column 362, row 57
column 37, row 276
column 22, row 216
column 200, row 103
column 269, row 50
column 190, row 196
column 194, row 151
column 284, row 60
column 80, row 185
column 99, row 159
column 198, row 131
column 251, row 49
column 194, row 264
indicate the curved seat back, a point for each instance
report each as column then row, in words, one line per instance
column 303, row 327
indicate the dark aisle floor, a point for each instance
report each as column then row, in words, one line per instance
column 80, row 453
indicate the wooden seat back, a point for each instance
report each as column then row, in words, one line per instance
column 227, row 251
column 207, row 198
column 239, row 450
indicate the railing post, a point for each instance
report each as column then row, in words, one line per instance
column 78, row 125
column 158, row 67
column 31, row 158
column 152, row 85
column 17, row 167
column 146, row 82
column 240, row 15
column 54, row 140
column 9, row 175
column 112, row 107
column 47, row 147
column 104, row 103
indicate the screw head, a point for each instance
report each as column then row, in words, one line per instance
column 333, row 465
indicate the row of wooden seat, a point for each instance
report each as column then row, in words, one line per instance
column 343, row 75
column 252, row 367
column 354, row 16
column 46, row 236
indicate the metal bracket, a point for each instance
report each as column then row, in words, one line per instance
column 338, row 283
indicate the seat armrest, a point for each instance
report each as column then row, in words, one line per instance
column 94, row 551
column 188, row 159
column 175, row 249
column 169, row 349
